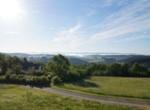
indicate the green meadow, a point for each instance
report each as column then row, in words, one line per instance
column 14, row 97
column 114, row 86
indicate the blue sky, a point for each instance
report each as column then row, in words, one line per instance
column 111, row 26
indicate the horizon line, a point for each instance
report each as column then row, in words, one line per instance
column 73, row 53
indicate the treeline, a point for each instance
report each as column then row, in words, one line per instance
column 59, row 70
column 118, row 69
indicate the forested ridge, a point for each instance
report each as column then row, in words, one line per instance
column 59, row 70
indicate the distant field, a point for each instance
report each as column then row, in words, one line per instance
column 18, row 98
column 116, row 86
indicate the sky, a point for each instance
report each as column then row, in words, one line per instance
column 47, row 26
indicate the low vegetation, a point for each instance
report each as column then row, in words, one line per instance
column 16, row 98
column 115, row 86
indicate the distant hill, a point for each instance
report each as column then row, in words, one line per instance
column 44, row 58
column 77, row 61
column 138, row 59
column 88, row 58
column 106, row 58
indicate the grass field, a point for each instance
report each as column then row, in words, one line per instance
column 115, row 86
column 18, row 98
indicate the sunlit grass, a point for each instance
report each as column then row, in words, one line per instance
column 20, row 98
column 116, row 86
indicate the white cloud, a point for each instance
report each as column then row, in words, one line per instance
column 126, row 21
column 130, row 19
column 68, row 40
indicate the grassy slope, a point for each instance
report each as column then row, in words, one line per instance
column 18, row 98
column 116, row 86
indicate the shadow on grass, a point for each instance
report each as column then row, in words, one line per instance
column 84, row 83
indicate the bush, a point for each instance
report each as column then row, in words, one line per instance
column 55, row 80
column 40, row 80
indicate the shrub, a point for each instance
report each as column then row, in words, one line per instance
column 55, row 80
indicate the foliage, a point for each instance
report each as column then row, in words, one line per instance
column 59, row 70
column 117, row 69
column 59, row 65
column 55, row 80
column 137, row 70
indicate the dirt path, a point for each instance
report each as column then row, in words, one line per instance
column 140, row 103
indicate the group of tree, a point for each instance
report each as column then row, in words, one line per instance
column 22, row 71
column 59, row 70
column 118, row 69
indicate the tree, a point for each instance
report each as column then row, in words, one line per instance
column 3, row 64
column 138, row 70
column 8, row 74
column 59, row 66
column 125, row 69
column 114, row 69
column 17, row 68
column 97, row 69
